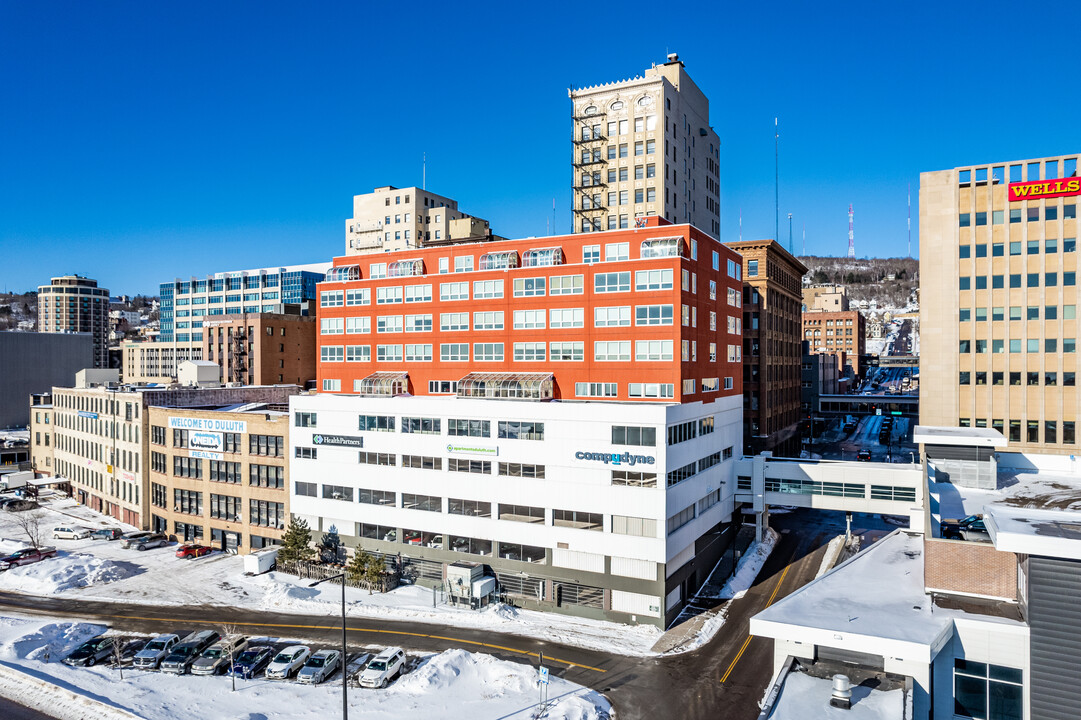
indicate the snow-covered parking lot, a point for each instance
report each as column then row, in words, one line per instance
column 451, row 684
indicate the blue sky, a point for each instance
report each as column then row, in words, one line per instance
column 145, row 141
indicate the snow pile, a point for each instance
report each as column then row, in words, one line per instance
column 55, row 575
column 57, row 638
column 749, row 566
column 8, row 546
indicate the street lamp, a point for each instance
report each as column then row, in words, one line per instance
column 345, row 657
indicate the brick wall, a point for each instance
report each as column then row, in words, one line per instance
column 969, row 567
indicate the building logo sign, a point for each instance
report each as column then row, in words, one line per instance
column 205, row 455
column 338, row 440
column 200, row 440
column 617, row 458
column 1044, row 189
column 472, row 450
column 85, row 414
column 208, row 424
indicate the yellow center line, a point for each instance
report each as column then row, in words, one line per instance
column 477, row 643
column 748, row 640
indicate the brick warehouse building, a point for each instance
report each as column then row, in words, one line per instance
column 563, row 410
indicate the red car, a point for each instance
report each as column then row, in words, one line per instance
column 193, row 551
column 26, row 556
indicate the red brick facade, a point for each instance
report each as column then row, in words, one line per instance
column 969, row 567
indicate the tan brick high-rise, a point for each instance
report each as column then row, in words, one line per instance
column 998, row 309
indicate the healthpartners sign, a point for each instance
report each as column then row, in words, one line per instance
column 338, row 440
column 1044, row 189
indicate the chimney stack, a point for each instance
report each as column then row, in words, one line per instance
column 842, row 693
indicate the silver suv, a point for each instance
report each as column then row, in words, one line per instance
column 144, row 540
column 383, row 668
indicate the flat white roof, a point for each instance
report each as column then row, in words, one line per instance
column 981, row 437
column 808, row 698
column 1050, row 533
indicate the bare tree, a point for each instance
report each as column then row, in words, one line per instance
column 118, row 654
column 30, row 522
column 228, row 631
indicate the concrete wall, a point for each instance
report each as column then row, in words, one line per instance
column 34, row 363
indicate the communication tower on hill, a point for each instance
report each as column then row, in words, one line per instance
column 851, row 243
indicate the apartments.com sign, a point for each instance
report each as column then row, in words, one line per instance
column 1044, row 189
column 617, row 458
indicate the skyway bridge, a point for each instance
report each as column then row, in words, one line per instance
column 896, row 405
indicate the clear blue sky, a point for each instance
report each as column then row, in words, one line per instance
column 145, row 141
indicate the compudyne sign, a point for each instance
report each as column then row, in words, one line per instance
column 617, row 458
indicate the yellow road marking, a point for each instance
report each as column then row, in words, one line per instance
column 748, row 640
column 477, row 643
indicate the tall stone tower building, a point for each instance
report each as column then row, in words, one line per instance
column 72, row 304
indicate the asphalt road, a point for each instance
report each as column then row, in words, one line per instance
column 730, row 673
column 13, row 711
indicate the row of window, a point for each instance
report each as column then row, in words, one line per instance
column 1017, row 312
column 1049, row 379
column 997, row 282
column 1031, row 428
column 1033, row 345
column 603, row 351
column 1031, row 247
column 1029, row 214
column 1020, row 172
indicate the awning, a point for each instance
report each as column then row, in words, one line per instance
column 384, row 384
column 662, row 247
column 406, row 268
column 343, row 272
column 511, row 386
column 499, row 260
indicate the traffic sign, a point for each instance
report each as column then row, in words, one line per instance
column 544, row 676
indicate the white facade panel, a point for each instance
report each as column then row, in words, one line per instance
column 630, row 567
column 636, row 603
column 589, row 562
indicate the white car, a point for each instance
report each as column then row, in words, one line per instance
column 287, row 662
column 383, row 668
column 319, row 667
column 70, row 532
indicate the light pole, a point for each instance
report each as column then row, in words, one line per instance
column 345, row 657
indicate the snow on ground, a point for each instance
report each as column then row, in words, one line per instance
column 451, row 684
column 103, row 570
column 15, row 436
column 749, row 566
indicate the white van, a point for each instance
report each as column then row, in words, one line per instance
column 70, row 532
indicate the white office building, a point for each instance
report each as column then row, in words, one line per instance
column 589, row 508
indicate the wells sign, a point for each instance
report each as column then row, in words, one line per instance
column 1044, row 189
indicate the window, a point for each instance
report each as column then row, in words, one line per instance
column 371, row 458
column 266, row 514
column 462, row 264
column 614, row 282
column 428, row 503
column 483, row 289
column 358, row 353
column 331, row 326
column 388, row 353
column 454, row 352
column 567, row 318
column 358, row 325
column 418, row 293
column 987, row 692
column 630, row 478
column 266, row 445
column 529, row 287
column 332, row 353
column 187, row 467
column 469, row 428
column 653, row 279
column 157, row 434
column 529, row 351
column 188, row 502
column 653, row 350
column 267, row 476
column 454, row 321
column 225, row 507
column 472, row 508
column 305, row 453
column 567, row 284
column 454, row 291
column 529, row 319
column 614, row 252
column 578, row 520
column 587, row 389
column 566, row 351
column 358, row 297
column 418, row 353
column 388, row 295
column 591, row 254
column 614, row 350
column 680, row 519
column 488, row 352
column 418, row 323
column 488, row 320
column 651, row 390
column 477, row 467
column 611, row 316
column 376, row 497
column 521, row 470
column 634, row 435
column 331, row 298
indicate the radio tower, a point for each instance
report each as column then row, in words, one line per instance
column 851, row 244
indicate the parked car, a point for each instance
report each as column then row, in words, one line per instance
column 155, row 651
column 179, row 661
column 91, row 652
column 106, row 534
column 319, row 667
column 26, row 556
column 383, row 668
column 193, row 551
column 970, row 528
column 70, row 532
column 216, row 658
column 850, row 427
column 145, row 539
column 864, row 456
column 251, row 661
column 286, row 663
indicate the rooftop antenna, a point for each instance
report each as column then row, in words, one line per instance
column 790, row 234
column 851, row 244
column 424, row 172
column 554, row 217
column 910, row 219
column 776, row 180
